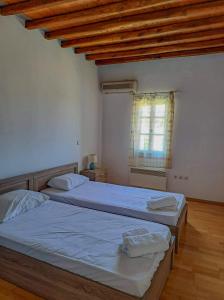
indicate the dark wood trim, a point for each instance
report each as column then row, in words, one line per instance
column 158, row 18
column 106, row 12
column 175, row 54
column 126, row 30
column 159, row 49
column 32, row 5
column 21, row 7
column 206, row 201
column 186, row 38
column 148, row 33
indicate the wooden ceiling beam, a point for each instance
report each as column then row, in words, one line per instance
column 155, row 50
column 154, row 42
column 106, row 12
column 21, row 7
column 32, row 5
column 176, row 54
column 162, row 31
column 169, row 16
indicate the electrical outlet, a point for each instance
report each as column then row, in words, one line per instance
column 181, row 177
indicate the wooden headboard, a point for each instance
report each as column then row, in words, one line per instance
column 40, row 179
column 24, row 182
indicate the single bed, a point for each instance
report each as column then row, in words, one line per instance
column 61, row 252
column 116, row 199
column 121, row 200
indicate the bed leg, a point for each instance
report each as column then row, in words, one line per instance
column 177, row 240
column 186, row 216
column 172, row 261
column 176, row 247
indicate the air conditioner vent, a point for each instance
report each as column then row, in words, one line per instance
column 129, row 86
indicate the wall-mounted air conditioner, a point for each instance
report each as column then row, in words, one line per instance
column 151, row 179
column 127, row 86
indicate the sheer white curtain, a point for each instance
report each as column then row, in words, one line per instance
column 151, row 130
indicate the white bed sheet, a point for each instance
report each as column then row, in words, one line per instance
column 85, row 242
column 123, row 200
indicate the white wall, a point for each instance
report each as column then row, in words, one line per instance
column 198, row 150
column 49, row 99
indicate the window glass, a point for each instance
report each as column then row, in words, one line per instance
column 160, row 110
column 158, row 142
column 145, row 125
column 144, row 142
column 146, row 110
column 159, row 126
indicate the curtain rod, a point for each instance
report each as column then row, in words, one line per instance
column 150, row 93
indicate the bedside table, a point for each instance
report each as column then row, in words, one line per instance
column 99, row 175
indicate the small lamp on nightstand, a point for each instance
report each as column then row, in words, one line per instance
column 92, row 161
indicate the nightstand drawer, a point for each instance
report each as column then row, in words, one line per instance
column 101, row 178
column 99, row 175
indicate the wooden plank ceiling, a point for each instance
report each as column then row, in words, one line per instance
column 113, row 31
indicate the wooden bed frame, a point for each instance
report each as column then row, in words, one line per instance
column 41, row 178
column 40, row 182
column 24, row 182
column 177, row 230
column 53, row 283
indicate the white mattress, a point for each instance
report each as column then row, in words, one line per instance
column 123, row 200
column 85, row 242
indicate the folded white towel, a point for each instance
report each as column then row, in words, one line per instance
column 168, row 208
column 135, row 232
column 139, row 245
column 162, row 202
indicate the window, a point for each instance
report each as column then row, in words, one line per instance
column 152, row 123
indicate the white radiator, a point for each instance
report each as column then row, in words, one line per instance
column 151, row 179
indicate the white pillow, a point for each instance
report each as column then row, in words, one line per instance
column 18, row 202
column 67, row 182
